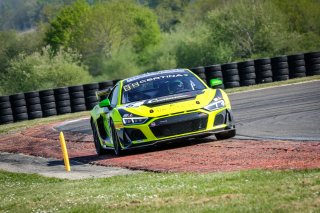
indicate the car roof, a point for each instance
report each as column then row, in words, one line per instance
column 156, row 73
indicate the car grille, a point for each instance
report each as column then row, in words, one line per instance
column 180, row 124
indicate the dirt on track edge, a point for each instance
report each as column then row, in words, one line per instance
column 198, row 155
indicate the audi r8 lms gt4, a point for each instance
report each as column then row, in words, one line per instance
column 159, row 106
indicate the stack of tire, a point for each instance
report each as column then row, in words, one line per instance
column 19, row 107
column 6, row 115
column 263, row 70
column 77, row 100
column 230, row 74
column 90, row 95
column 297, row 66
column 62, row 100
column 48, row 103
column 199, row 71
column 280, row 68
column 33, row 105
column 105, row 85
column 312, row 61
column 214, row 71
column 247, row 73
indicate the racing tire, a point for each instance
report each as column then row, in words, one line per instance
column 47, row 92
column 247, row 70
column 62, row 97
column 64, row 110
column 19, row 103
column 47, row 99
column 229, row 66
column 6, row 119
column 280, row 65
column 76, row 95
column 33, row 101
column 295, row 57
column 263, row 67
column 35, row 107
column 6, row 111
column 226, row 135
column 18, row 110
column 78, row 108
column 61, row 90
column 265, row 74
column 281, row 78
column 297, row 63
column 281, row 72
column 245, row 64
column 116, row 143
column 50, row 105
column 232, row 84
column 49, row 112
column 248, row 76
column 93, row 86
column 35, row 114
column 4, row 98
column 232, row 78
column 99, row 149
column 20, row 117
column 4, row 105
column 74, row 89
column 248, row 82
column 230, row 72
column 279, row 59
column 265, row 80
column 262, row 61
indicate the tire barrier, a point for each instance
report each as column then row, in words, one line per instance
column 312, row 61
column 280, row 68
column 247, row 73
column 199, row 71
column 214, row 71
column 230, row 75
column 33, row 105
column 6, row 114
column 51, row 102
column 19, row 107
column 77, row 100
column 48, row 103
column 297, row 67
column 263, row 70
column 90, row 95
column 63, row 103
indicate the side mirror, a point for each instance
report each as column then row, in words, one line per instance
column 215, row 82
column 104, row 103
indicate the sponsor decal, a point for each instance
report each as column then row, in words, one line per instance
column 138, row 83
column 165, row 99
column 154, row 74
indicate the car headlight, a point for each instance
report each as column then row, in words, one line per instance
column 216, row 103
column 129, row 119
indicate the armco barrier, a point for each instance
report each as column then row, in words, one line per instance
column 50, row 102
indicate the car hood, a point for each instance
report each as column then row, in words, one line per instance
column 171, row 104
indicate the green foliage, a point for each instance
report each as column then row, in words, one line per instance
column 101, row 30
column 41, row 70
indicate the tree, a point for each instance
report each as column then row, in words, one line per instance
column 42, row 70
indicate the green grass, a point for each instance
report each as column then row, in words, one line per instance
column 12, row 127
column 246, row 191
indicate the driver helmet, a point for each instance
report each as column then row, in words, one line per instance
column 175, row 86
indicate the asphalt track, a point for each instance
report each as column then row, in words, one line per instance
column 290, row 112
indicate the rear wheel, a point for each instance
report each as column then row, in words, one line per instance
column 226, row 135
column 99, row 149
column 115, row 139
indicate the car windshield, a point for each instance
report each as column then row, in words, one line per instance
column 159, row 85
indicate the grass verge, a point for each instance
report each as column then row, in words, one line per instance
column 12, row 127
column 245, row 191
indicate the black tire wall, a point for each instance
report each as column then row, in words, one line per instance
column 51, row 102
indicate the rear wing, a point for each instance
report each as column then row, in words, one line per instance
column 103, row 94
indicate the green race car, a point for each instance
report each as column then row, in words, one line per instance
column 157, row 107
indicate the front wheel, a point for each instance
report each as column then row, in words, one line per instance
column 99, row 149
column 226, row 135
column 115, row 140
